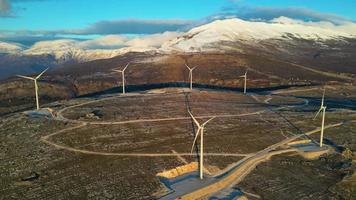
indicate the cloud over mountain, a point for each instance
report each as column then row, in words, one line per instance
column 105, row 42
column 109, row 42
column 154, row 40
column 157, row 26
column 130, row 26
column 241, row 29
column 264, row 13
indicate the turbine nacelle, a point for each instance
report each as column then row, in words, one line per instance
column 190, row 69
column 200, row 129
column 31, row 78
column 121, row 70
column 245, row 81
column 244, row 76
column 322, row 107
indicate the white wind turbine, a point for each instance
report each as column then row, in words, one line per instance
column 201, row 132
column 123, row 76
column 322, row 109
column 245, row 84
column 191, row 75
column 36, row 86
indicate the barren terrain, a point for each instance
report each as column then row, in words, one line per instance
column 112, row 146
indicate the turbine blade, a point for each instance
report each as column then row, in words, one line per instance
column 41, row 73
column 322, row 99
column 188, row 67
column 26, row 77
column 195, row 120
column 317, row 113
column 194, row 68
column 195, row 139
column 126, row 66
column 207, row 121
column 116, row 70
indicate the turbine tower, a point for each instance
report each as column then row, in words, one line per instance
column 123, row 76
column 321, row 109
column 201, row 132
column 36, row 86
column 245, row 84
column 191, row 75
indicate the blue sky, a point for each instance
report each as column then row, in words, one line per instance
column 52, row 14
column 101, row 17
column 70, row 14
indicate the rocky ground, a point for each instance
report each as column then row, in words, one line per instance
column 159, row 70
column 33, row 169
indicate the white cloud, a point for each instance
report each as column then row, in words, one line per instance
column 281, row 25
column 153, row 40
column 345, row 27
column 265, row 13
column 129, row 26
column 52, row 46
column 105, row 42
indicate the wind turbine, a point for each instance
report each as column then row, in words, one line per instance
column 245, row 84
column 36, row 86
column 191, row 75
column 201, row 132
column 123, row 76
column 323, row 109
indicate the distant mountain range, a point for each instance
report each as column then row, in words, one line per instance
column 282, row 35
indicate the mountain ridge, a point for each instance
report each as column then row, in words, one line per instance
column 233, row 29
column 281, row 35
column 236, row 30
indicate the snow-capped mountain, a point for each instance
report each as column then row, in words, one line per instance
column 15, row 59
column 209, row 36
column 295, row 39
column 72, row 50
column 10, row 48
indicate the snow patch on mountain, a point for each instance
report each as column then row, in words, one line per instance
column 73, row 50
column 99, row 48
column 10, row 48
column 209, row 36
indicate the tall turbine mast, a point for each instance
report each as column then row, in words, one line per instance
column 122, row 76
column 321, row 109
column 191, row 75
column 201, row 132
column 245, row 83
column 36, row 85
